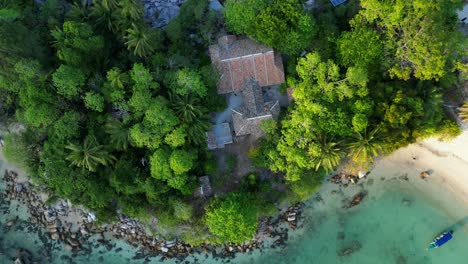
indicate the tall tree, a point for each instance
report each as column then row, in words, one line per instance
column 159, row 120
column 365, row 146
column 232, row 218
column 193, row 115
column 68, row 80
column 118, row 133
column 281, row 24
column 138, row 40
column 78, row 46
column 89, row 155
column 420, row 37
column 327, row 155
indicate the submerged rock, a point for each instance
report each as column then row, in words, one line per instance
column 357, row 199
column 341, row 236
column 348, row 250
column 10, row 223
column 406, row 202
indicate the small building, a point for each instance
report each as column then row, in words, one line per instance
column 245, row 67
column 219, row 136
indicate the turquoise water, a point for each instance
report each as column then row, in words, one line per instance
column 394, row 224
column 388, row 230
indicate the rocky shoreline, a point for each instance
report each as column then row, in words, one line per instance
column 74, row 227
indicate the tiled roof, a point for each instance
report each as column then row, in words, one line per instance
column 253, row 98
column 238, row 60
column 247, row 119
column 248, row 126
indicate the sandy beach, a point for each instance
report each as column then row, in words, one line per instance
column 447, row 163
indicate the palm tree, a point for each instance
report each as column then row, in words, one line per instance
column 109, row 4
column 186, row 107
column 464, row 111
column 105, row 16
column 131, row 9
column 79, row 13
column 119, row 134
column 138, row 40
column 329, row 154
column 89, row 155
column 191, row 113
column 117, row 78
column 366, row 146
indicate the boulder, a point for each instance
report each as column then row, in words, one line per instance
column 19, row 187
column 54, row 236
column 164, row 249
column 10, row 223
column 168, row 13
column 362, row 174
column 215, row 5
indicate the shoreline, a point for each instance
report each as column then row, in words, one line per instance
column 75, row 227
column 447, row 161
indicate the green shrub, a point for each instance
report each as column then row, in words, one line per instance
column 232, row 218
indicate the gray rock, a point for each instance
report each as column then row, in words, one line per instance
column 406, row 202
column 215, row 5
column 10, row 223
column 166, row 15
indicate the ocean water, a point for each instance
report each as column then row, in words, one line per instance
column 394, row 224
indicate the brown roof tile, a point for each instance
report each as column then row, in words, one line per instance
column 237, row 60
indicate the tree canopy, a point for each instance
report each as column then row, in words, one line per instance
column 281, row 24
column 232, row 218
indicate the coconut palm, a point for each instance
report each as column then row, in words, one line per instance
column 464, row 111
column 191, row 113
column 328, row 154
column 109, row 4
column 118, row 133
column 79, row 12
column 117, row 78
column 131, row 9
column 89, row 155
column 105, row 15
column 187, row 107
column 138, row 41
column 366, row 146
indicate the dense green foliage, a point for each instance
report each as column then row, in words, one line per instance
column 281, row 24
column 115, row 112
column 107, row 102
column 232, row 218
column 376, row 92
column 420, row 37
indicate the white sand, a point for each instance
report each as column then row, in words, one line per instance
column 448, row 162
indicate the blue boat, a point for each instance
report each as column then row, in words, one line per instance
column 441, row 240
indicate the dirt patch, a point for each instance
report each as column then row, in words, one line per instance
column 233, row 164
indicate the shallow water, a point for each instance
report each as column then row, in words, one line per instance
column 394, row 224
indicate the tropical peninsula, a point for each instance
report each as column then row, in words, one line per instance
column 223, row 127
